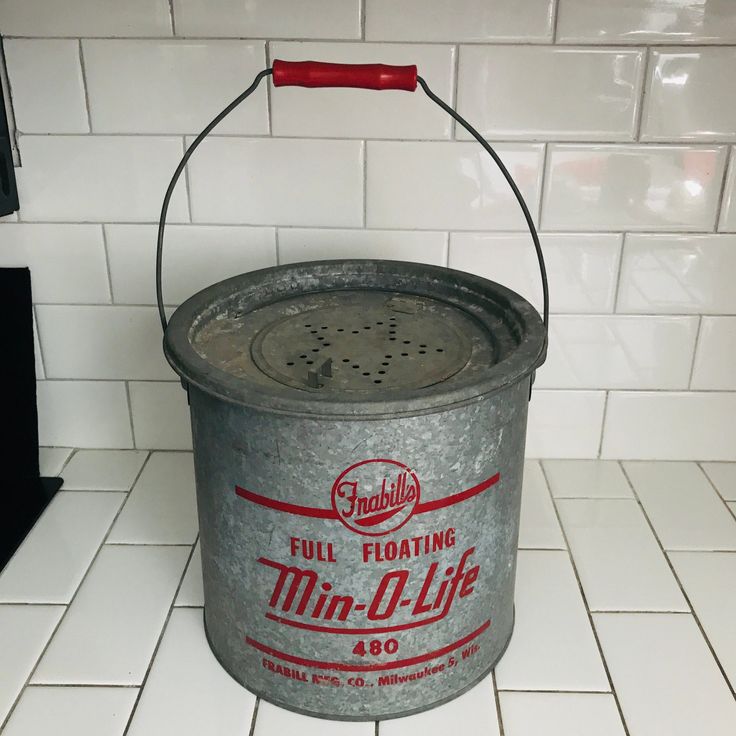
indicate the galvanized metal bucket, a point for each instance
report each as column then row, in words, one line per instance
column 359, row 430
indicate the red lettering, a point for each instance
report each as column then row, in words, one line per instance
column 470, row 577
column 401, row 576
column 297, row 577
column 420, row 606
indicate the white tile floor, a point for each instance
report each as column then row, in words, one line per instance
column 625, row 604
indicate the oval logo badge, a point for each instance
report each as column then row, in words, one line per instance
column 375, row 497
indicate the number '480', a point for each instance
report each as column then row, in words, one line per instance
column 376, row 647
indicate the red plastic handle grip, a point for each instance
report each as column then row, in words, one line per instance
column 321, row 74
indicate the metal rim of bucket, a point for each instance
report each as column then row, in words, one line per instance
column 459, row 289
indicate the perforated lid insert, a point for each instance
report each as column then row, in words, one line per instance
column 364, row 341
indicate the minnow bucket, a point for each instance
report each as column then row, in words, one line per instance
column 359, row 431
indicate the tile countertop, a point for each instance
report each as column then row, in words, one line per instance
column 625, row 605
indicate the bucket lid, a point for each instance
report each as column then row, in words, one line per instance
column 354, row 338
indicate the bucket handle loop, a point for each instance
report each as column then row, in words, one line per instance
column 365, row 76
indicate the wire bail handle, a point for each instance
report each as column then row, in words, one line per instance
column 365, row 76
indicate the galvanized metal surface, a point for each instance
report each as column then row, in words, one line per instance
column 358, row 539
column 275, row 618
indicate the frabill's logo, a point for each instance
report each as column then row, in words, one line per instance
column 375, row 497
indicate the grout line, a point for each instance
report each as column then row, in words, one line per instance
column 698, row 333
column 92, row 490
column 497, row 700
column 106, row 253
column 376, row 728
column 32, row 603
column 555, row 19
column 519, row 141
column 129, row 401
column 147, row 450
column 603, row 423
column 543, row 43
column 171, row 16
column 149, row 455
column 688, row 551
column 38, row 336
column 730, row 162
column 564, row 314
column 66, row 463
column 455, row 83
column 731, row 509
column 619, row 270
column 585, row 602
column 187, row 186
column 82, row 684
column 542, row 184
column 364, row 144
column 643, row 611
column 277, row 245
column 255, row 716
column 642, row 96
column 677, row 579
column 269, row 104
column 361, row 12
column 672, row 393
column 520, row 231
column 699, row 463
column 67, row 607
column 85, row 87
column 446, row 254
column 147, row 544
column 562, row 692
column 547, row 389
column 158, row 642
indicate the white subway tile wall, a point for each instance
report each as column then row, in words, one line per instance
column 668, row 425
column 260, row 181
column 84, row 414
column 565, row 424
column 172, row 86
column 448, row 185
column 311, row 244
column 614, row 119
column 646, row 21
column 632, row 187
column 111, row 342
column 48, row 94
column 460, row 20
column 96, row 178
column 160, row 415
column 75, row 251
column 195, row 257
column 582, row 266
column 715, row 360
column 678, row 274
column 336, row 19
column 551, row 93
column 86, row 18
column 682, row 99
column 618, row 352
